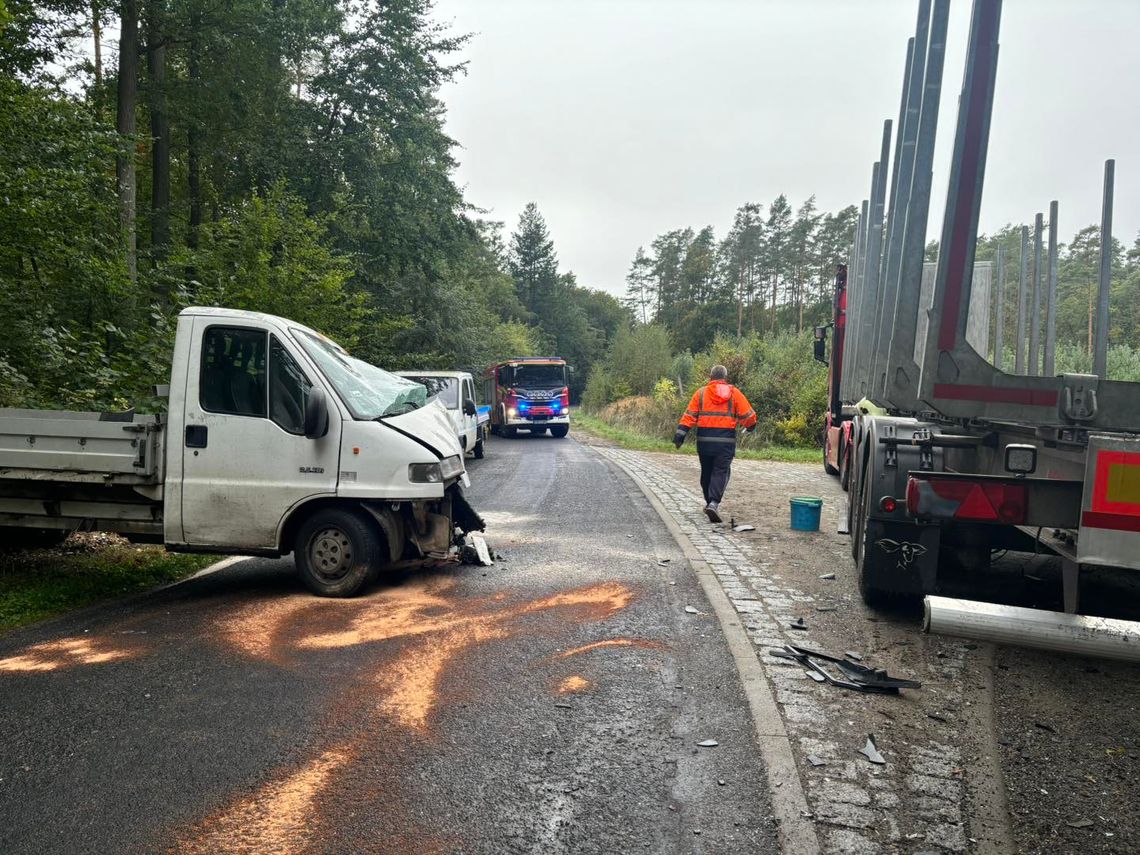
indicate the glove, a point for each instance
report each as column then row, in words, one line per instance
column 751, row 429
column 678, row 438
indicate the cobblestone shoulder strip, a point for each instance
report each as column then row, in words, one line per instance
column 785, row 789
column 858, row 808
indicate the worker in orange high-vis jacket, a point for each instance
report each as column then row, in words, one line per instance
column 716, row 409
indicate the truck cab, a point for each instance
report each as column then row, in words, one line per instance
column 456, row 391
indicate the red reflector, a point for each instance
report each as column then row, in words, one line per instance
column 888, row 504
column 985, row 501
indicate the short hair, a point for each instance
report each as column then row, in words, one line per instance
column 718, row 372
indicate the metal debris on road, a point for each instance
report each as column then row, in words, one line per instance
column 871, row 751
column 708, row 743
column 826, row 608
column 720, row 782
column 860, row 678
column 815, row 675
column 816, row 761
column 691, row 610
column 1080, row 823
column 662, row 561
column 938, row 717
column 744, row 527
column 798, row 623
column 851, row 654
column 564, row 706
column 827, row 576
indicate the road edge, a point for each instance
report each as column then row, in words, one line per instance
column 796, row 830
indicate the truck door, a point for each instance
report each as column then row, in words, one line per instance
column 246, row 460
column 470, row 423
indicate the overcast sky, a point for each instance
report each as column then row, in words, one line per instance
column 625, row 118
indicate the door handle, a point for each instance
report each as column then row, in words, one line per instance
column 196, row 436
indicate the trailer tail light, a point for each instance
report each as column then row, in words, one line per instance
column 888, row 504
column 961, row 499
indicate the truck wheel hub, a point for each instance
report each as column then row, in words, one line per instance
column 331, row 553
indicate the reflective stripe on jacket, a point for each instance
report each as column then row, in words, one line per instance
column 715, row 410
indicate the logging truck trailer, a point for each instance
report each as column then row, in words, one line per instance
column 275, row 441
column 946, row 456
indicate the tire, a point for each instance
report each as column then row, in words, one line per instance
column 13, row 538
column 338, row 552
column 510, row 432
column 478, row 450
column 559, row 431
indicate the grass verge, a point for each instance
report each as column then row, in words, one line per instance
column 38, row 583
column 641, row 442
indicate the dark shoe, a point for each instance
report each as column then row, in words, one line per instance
column 710, row 512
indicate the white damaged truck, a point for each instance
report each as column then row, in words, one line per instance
column 276, row 440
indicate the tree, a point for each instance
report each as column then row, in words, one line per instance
column 533, row 262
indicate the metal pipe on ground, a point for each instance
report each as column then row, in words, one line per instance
column 1022, row 295
column 1080, row 635
column 1051, row 296
column 1100, row 352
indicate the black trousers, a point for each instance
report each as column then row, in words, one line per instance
column 716, row 467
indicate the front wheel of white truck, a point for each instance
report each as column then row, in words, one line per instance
column 338, row 552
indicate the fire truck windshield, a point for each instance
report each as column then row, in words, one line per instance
column 539, row 376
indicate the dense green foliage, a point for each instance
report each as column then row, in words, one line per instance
column 287, row 158
column 745, row 301
column 1078, row 266
column 769, row 273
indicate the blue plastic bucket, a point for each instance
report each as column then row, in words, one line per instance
column 805, row 513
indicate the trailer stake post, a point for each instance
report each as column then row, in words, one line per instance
column 1100, row 352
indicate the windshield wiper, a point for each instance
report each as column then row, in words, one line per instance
column 398, row 409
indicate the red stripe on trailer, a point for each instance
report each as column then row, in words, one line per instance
column 1115, row 522
column 972, row 155
column 996, row 394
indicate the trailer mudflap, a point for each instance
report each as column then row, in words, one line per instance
column 901, row 557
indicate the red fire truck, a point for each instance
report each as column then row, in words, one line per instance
column 529, row 393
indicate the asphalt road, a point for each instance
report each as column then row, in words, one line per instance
column 551, row 703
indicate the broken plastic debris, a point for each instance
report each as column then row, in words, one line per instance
column 661, row 562
column 1080, row 823
column 720, row 782
column 481, row 550
column 564, row 706
column 871, row 751
column 851, row 654
column 816, row 761
column 708, row 743
column 691, row 610
column 827, row 576
column 798, row 623
column 815, row 675
column 744, row 527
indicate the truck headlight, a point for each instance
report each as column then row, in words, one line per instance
column 425, row 473
column 451, row 467
column 511, row 413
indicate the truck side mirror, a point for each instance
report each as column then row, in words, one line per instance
column 820, row 351
column 316, row 414
column 469, row 408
